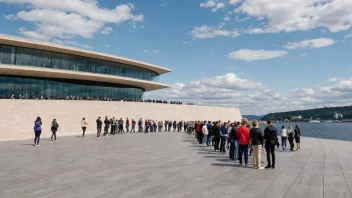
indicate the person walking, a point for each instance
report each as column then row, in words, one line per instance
column 120, row 123
column 271, row 141
column 238, row 125
column 209, row 125
column 283, row 134
column 290, row 134
column 37, row 131
column 205, row 132
column 232, row 139
column 257, row 143
column 99, row 125
column 166, row 124
column 174, row 125
column 84, row 126
column 133, row 125
column 198, row 132
column 106, row 126
column 146, row 126
column 243, row 137
column 217, row 134
column 170, row 125
column 223, row 130
column 140, row 125
column 298, row 137
column 54, row 128
column 155, row 126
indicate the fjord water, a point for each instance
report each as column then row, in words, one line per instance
column 335, row 131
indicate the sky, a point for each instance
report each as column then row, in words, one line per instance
column 261, row 56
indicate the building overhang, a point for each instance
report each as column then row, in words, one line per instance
column 14, row 70
column 28, row 43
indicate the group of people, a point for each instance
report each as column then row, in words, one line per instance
column 239, row 138
column 13, row 96
column 244, row 140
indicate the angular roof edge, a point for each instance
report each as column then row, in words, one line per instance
column 24, row 42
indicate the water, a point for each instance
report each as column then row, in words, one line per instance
column 335, row 131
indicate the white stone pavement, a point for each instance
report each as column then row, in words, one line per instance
column 167, row 165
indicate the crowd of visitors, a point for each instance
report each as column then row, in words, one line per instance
column 240, row 139
column 88, row 98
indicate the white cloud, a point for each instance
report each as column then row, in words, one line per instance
column 348, row 35
column 204, row 32
column 234, row 2
column 298, row 15
column 313, row 43
column 213, row 4
column 70, row 18
column 253, row 97
column 252, row 55
column 106, row 46
column 156, row 51
column 227, row 18
column 10, row 17
column 164, row 4
column 106, row 30
column 184, row 42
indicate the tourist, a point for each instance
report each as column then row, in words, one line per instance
column 223, row 130
column 238, row 125
column 243, row 137
column 37, row 130
column 84, row 126
column 121, row 130
column 298, row 137
column 106, row 126
column 159, row 126
column 146, row 123
column 290, row 138
column 127, row 125
column 54, row 127
column 133, row 125
column 116, row 126
column 217, row 134
column 140, row 125
column 198, row 132
column 170, row 125
column 257, row 143
column 209, row 125
column 112, row 123
column 155, row 126
column 283, row 134
column 205, row 133
column 185, row 126
column 166, row 124
column 174, row 125
column 271, row 141
column 99, row 125
column 232, row 140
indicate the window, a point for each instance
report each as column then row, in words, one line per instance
column 23, row 56
column 7, row 55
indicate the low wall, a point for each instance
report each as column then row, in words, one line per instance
column 17, row 116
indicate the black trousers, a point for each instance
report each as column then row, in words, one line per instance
column 133, row 128
column 37, row 137
column 292, row 145
column 106, row 130
column 222, row 144
column 200, row 137
column 243, row 150
column 84, row 130
column 270, row 150
column 53, row 134
column 112, row 129
column 216, row 143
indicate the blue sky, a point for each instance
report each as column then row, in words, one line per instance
column 259, row 55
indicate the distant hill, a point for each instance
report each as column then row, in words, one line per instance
column 325, row 113
column 252, row 117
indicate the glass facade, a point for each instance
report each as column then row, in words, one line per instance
column 62, row 88
column 39, row 58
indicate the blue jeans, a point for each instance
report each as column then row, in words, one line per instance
column 283, row 143
column 208, row 140
column 236, row 149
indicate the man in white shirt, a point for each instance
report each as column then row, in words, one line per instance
column 205, row 132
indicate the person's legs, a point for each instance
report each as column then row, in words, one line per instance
column 255, row 162
column 236, row 150
column 38, row 137
column 205, row 139
column 241, row 150
column 84, row 131
column 268, row 151
column 246, row 155
column 35, row 138
column 259, row 155
column 285, row 143
column 54, row 133
column 282, row 143
column 272, row 150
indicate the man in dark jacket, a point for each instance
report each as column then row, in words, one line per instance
column 232, row 140
column 99, row 124
column 217, row 134
column 270, row 138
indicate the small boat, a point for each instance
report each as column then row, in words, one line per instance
column 314, row 121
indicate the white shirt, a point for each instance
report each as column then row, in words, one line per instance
column 283, row 133
column 83, row 123
column 205, row 130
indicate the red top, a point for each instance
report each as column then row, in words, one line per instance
column 243, row 135
column 197, row 128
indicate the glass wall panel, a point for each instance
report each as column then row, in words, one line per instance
column 56, row 60
column 18, row 87
column 23, row 56
column 3, row 89
column 46, row 61
column 37, row 58
column 7, row 55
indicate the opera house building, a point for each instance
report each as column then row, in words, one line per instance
column 55, row 81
